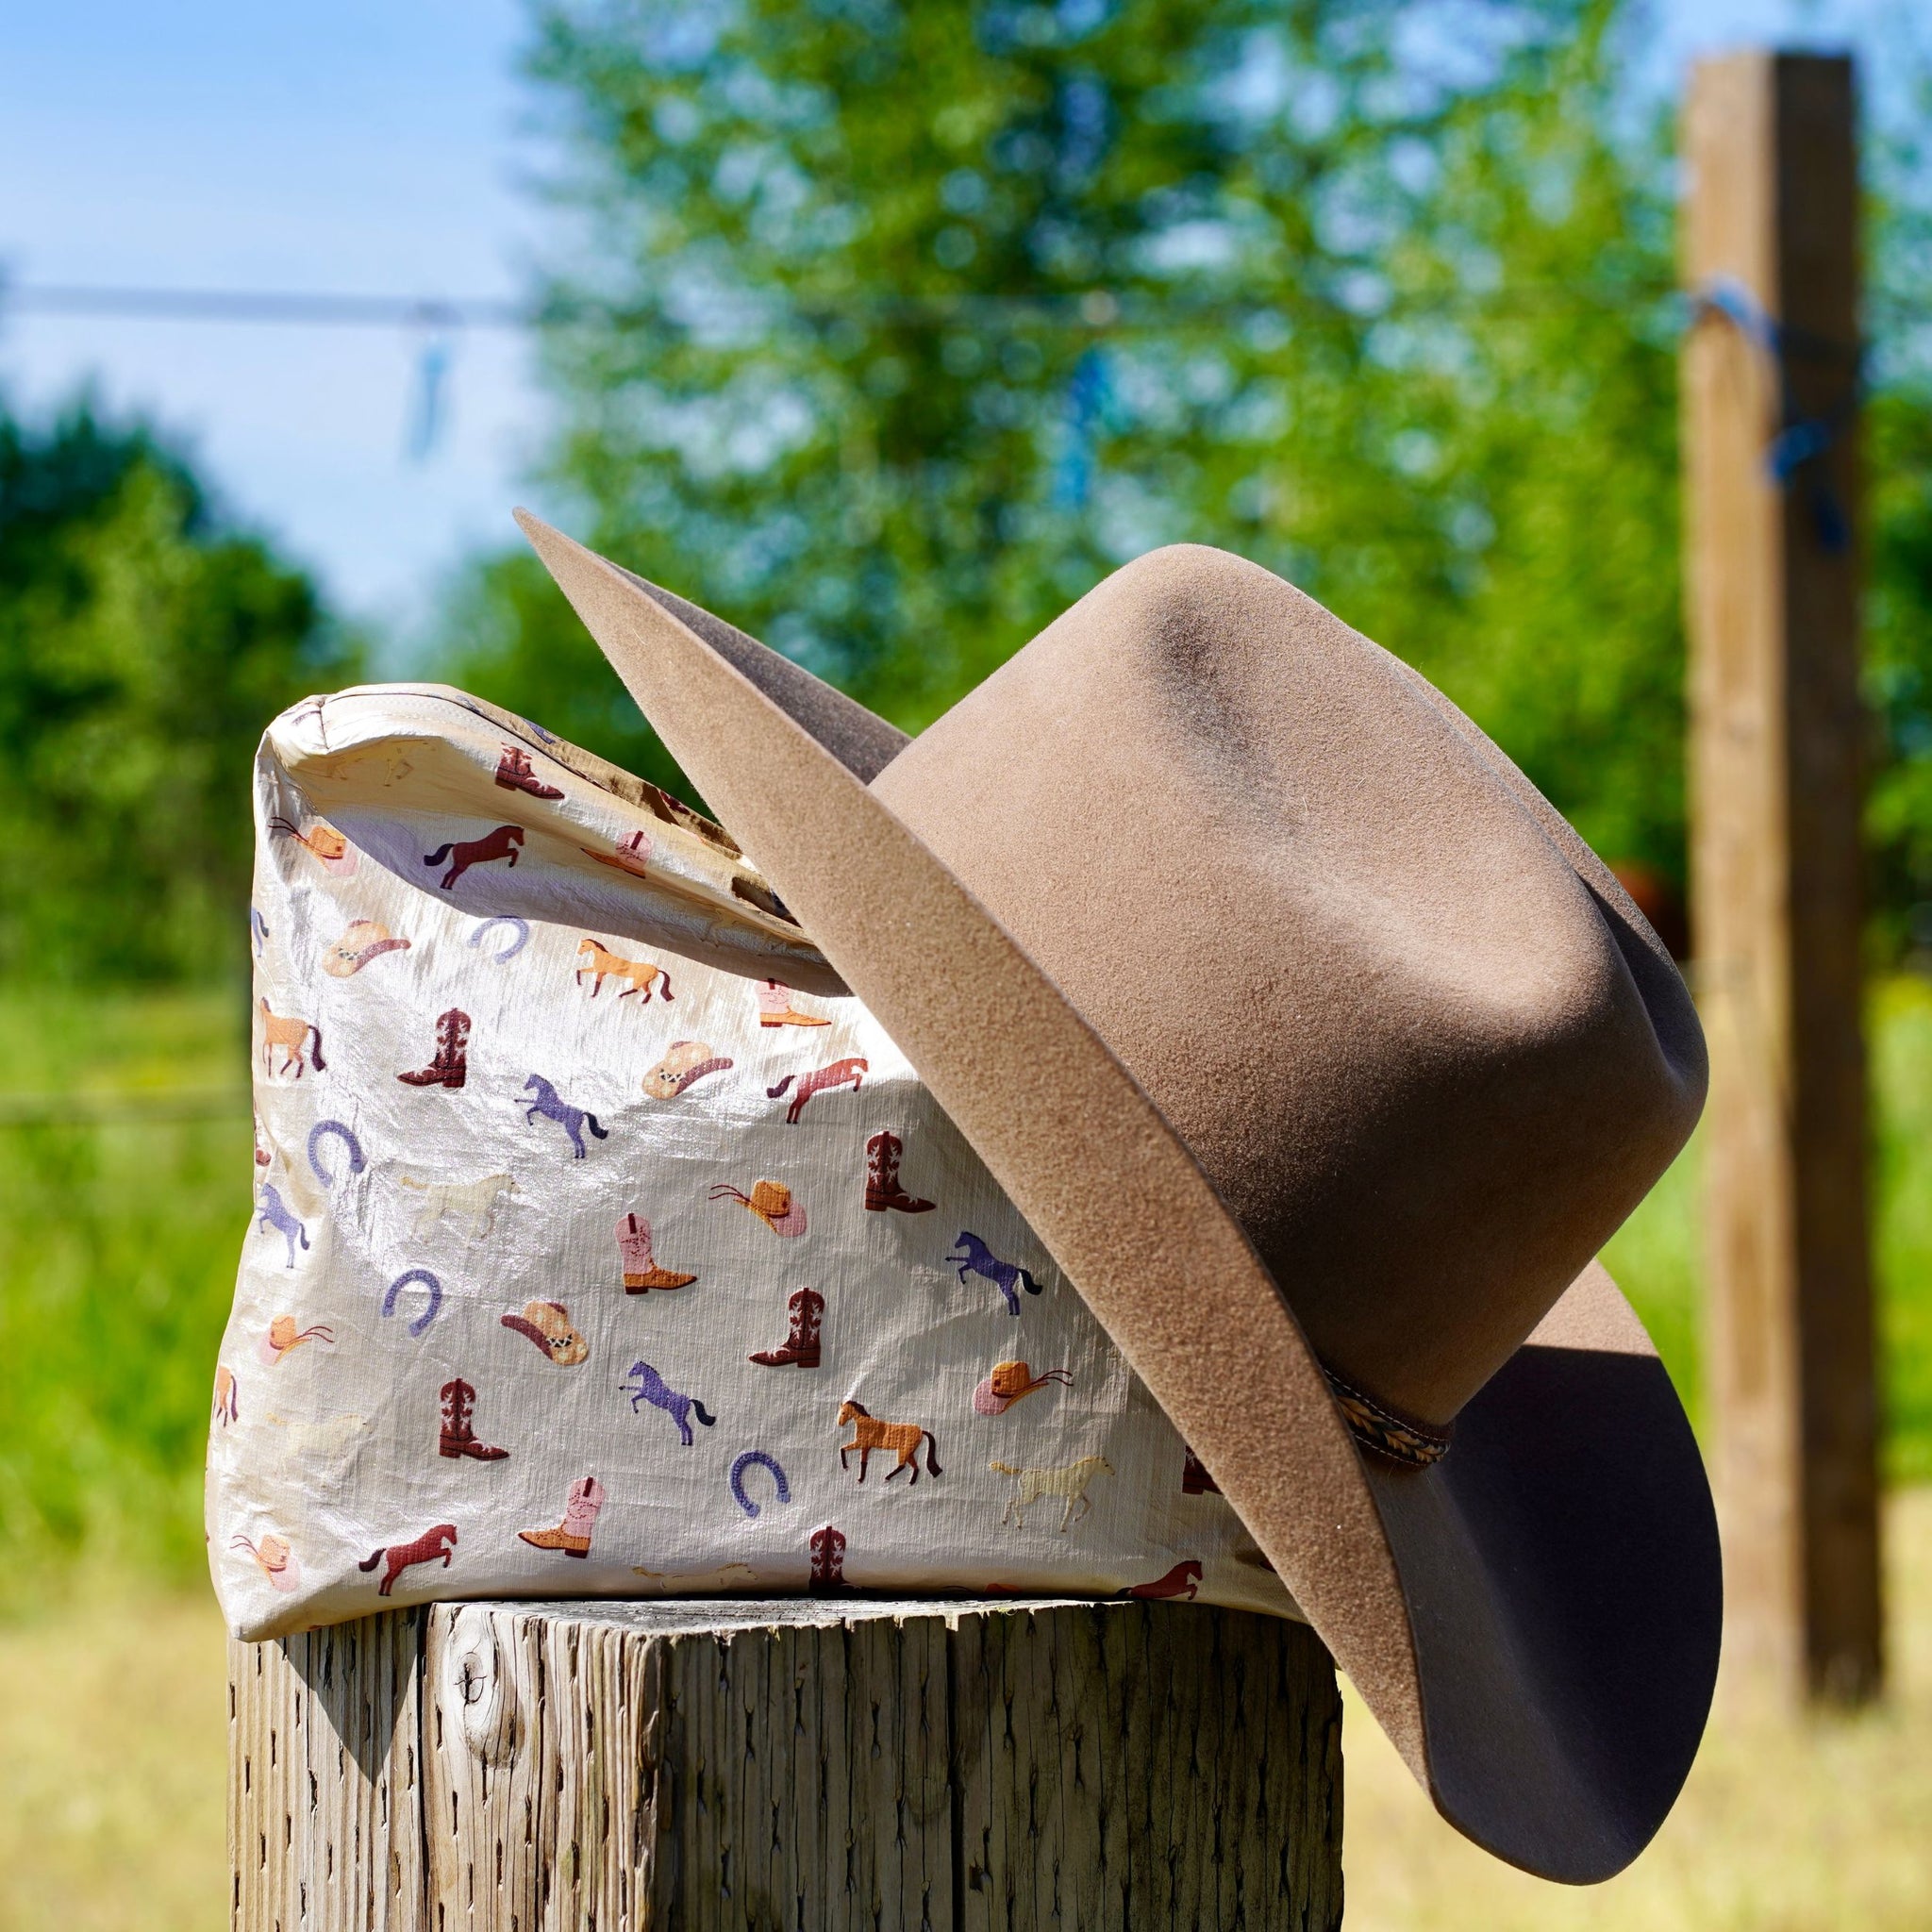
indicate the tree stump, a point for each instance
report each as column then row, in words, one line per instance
column 803, row 1764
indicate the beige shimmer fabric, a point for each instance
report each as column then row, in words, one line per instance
column 587, row 1200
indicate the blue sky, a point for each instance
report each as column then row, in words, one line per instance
column 378, row 148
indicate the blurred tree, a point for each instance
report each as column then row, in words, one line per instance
column 143, row 644
column 886, row 327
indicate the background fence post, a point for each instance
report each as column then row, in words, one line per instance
column 1772, row 497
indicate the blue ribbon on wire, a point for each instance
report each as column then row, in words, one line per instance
column 1800, row 440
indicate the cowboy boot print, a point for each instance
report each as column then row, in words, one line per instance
column 458, row 1439
column 776, row 1008
column 641, row 1271
column 513, row 774
column 450, row 1068
column 882, row 1188
column 573, row 1535
column 827, row 1561
column 800, row 1348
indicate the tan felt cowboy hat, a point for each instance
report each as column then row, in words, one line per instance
column 1323, row 1056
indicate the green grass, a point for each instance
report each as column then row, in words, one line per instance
column 1658, row 1254
column 118, row 1245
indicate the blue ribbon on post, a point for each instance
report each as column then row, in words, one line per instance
column 1800, row 440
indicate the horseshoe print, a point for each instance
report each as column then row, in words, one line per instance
column 747, row 1460
column 403, row 1281
column 519, row 929
column 320, row 1132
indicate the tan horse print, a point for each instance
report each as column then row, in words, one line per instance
column 602, row 963
column 1069, row 1482
column 292, row 1035
column 902, row 1438
column 473, row 1201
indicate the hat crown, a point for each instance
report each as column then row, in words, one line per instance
column 1413, row 1031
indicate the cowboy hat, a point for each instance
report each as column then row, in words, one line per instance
column 1323, row 1056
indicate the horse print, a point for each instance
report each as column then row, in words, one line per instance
column 652, row 1388
column 553, row 1107
column 1008, row 1276
column 840, row 1073
column 227, row 1406
column 293, row 1036
column 273, row 1215
column 428, row 1547
column 602, row 963
column 1183, row 1580
column 902, row 1438
column 1069, row 1482
column 464, row 852
column 476, row 1201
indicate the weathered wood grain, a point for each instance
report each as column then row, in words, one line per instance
column 325, row 1780
column 753, row 1766
column 1777, row 738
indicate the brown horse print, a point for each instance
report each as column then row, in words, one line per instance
column 902, row 1438
column 464, row 852
column 840, row 1073
column 292, row 1035
column 602, row 963
column 1183, row 1580
column 428, row 1547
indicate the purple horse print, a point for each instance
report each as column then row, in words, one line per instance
column 1008, row 1276
column 652, row 1388
column 275, row 1215
column 553, row 1107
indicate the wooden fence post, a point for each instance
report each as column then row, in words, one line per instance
column 1771, row 494
column 694, row 1766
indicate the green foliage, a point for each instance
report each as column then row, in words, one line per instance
column 886, row 327
column 117, row 1263
column 889, row 329
column 143, row 645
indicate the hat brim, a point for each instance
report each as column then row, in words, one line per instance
column 1533, row 1619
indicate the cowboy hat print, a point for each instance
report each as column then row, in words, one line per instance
column 772, row 1202
column 362, row 940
